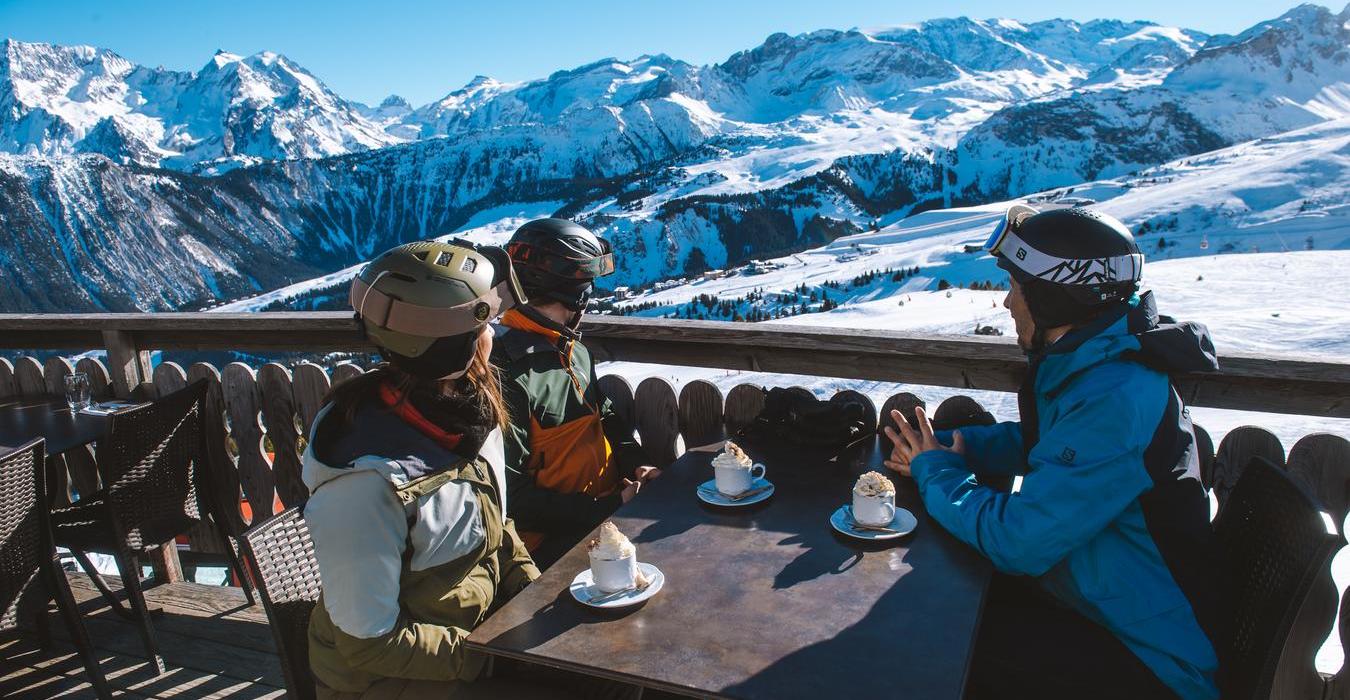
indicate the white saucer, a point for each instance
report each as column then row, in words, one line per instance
column 583, row 589
column 708, row 493
column 903, row 524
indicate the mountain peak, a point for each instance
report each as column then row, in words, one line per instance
column 395, row 101
column 222, row 58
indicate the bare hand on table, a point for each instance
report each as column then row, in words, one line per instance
column 641, row 476
column 909, row 442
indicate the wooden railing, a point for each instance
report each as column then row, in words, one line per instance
column 1277, row 384
column 256, row 417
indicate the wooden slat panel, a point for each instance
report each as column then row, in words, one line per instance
column 1322, row 463
column 82, row 470
column 28, row 377
column 222, row 473
column 8, row 387
column 870, row 417
column 346, row 370
column 742, row 405
column 73, row 472
column 278, row 410
column 100, row 382
column 168, row 377
column 905, row 403
column 959, row 410
column 1239, row 446
column 620, row 395
column 1205, row 444
column 243, row 404
column 309, row 385
column 701, row 419
column 657, row 419
column 54, row 373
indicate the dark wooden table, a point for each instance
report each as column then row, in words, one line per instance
column 765, row 601
column 22, row 420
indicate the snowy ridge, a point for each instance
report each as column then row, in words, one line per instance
column 59, row 100
column 780, row 148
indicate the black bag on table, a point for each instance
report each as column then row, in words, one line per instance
column 794, row 415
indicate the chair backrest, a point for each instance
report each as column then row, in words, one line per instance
column 281, row 554
column 23, row 543
column 151, row 464
column 1274, row 540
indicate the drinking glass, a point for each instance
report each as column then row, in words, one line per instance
column 77, row 390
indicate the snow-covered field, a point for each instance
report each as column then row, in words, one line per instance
column 1270, row 303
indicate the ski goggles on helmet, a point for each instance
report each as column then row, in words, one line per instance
column 559, row 266
column 400, row 316
column 1005, row 243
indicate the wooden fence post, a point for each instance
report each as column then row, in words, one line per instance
column 128, row 364
column 278, row 415
column 742, row 405
column 658, row 422
column 7, row 386
column 164, row 380
column 700, row 414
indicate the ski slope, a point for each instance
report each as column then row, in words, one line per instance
column 1250, row 240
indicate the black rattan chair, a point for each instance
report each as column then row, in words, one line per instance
column 30, row 573
column 150, row 463
column 1274, row 540
column 280, row 552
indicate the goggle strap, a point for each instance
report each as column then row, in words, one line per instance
column 1069, row 271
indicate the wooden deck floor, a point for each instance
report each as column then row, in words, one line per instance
column 215, row 646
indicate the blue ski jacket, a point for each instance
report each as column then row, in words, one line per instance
column 1111, row 517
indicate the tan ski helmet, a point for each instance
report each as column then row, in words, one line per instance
column 423, row 303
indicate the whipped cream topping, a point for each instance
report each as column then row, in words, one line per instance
column 733, row 456
column 611, row 544
column 874, row 484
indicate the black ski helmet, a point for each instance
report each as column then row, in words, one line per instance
column 1070, row 262
column 559, row 260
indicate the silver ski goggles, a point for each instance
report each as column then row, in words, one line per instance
column 1005, row 243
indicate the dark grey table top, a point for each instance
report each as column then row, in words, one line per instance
column 22, row 420
column 765, row 601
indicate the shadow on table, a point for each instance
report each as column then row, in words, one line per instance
column 557, row 618
column 890, row 652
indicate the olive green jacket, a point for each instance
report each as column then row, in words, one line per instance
column 413, row 555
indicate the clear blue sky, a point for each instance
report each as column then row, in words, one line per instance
column 422, row 49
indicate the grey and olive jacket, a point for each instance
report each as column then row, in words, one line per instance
column 413, row 549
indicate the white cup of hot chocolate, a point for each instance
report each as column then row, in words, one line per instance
column 873, row 500
column 613, row 560
column 734, row 471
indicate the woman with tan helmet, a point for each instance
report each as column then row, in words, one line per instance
column 405, row 473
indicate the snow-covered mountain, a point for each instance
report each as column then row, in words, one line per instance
column 1279, row 75
column 61, row 100
column 783, row 147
